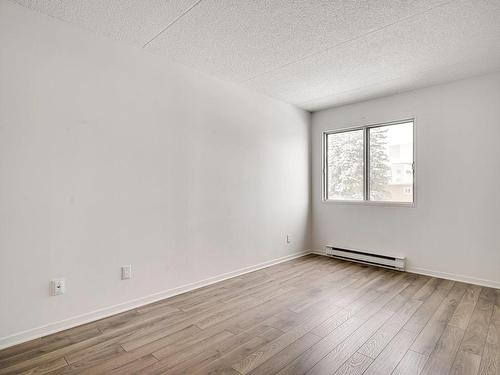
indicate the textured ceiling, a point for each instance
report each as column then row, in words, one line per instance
column 311, row 53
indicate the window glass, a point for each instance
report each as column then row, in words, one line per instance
column 391, row 163
column 345, row 165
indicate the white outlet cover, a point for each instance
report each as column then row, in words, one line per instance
column 57, row 286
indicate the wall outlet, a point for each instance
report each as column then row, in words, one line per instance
column 126, row 272
column 288, row 238
column 57, row 286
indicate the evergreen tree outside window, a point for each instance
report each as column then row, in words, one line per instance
column 345, row 165
column 371, row 163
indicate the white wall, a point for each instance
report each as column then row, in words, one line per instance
column 454, row 229
column 110, row 156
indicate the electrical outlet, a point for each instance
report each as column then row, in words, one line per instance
column 126, row 272
column 288, row 238
column 57, row 286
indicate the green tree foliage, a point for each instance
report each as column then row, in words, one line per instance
column 380, row 170
column 345, row 164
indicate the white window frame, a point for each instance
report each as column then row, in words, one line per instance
column 366, row 166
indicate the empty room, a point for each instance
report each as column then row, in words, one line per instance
column 250, row 187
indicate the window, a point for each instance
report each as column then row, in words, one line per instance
column 371, row 163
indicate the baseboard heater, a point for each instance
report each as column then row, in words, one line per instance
column 387, row 261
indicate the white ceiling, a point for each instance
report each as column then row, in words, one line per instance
column 311, row 53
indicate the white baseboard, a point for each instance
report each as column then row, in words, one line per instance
column 455, row 277
column 318, row 252
column 74, row 321
column 442, row 275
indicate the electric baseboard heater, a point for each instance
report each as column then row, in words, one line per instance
column 387, row 261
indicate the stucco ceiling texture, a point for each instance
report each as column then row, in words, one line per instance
column 311, row 53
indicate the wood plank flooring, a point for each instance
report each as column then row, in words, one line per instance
column 311, row 315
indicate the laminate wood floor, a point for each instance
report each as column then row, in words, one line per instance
column 311, row 315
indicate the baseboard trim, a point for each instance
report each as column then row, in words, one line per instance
column 455, row 277
column 34, row 333
column 442, row 275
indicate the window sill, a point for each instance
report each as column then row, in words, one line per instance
column 370, row 203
